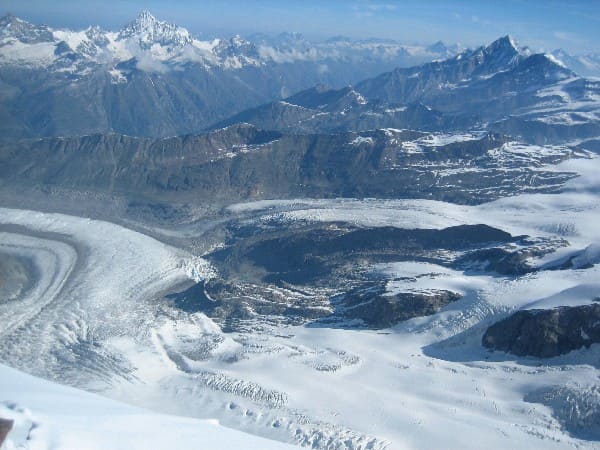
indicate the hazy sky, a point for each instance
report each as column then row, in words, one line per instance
column 573, row 25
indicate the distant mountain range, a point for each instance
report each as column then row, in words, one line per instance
column 500, row 87
column 153, row 78
column 156, row 46
column 113, row 79
column 407, row 132
column 585, row 65
column 404, row 133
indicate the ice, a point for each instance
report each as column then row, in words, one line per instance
column 362, row 140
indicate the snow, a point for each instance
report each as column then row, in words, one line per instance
column 85, row 295
column 95, row 316
column 117, row 76
column 41, row 54
column 425, row 277
column 72, row 38
column 552, row 58
column 441, row 139
column 426, row 382
column 176, row 47
column 52, row 417
column 358, row 140
column 395, row 110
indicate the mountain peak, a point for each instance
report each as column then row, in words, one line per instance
column 502, row 54
column 145, row 19
column 505, row 44
column 437, row 47
column 13, row 27
column 148, row 30
column 8, row 18
column 144, row 14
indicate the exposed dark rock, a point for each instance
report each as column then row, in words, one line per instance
column 307, row 255
column 504, row 261
column 77, row 95
column 274, row 271
column 377, row 310
column 5, row 427
column 545, row 333
column 233, row 304
column 244, row 163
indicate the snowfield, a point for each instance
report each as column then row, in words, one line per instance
column 53, row 417
column 96, row 319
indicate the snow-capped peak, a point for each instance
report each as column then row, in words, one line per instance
column 11, row 27
column 148, row 30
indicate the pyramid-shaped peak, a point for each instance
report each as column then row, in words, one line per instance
column 505, row 43
column 437, row 47
column 149, row 30
column 146, row 17
column 144, row 21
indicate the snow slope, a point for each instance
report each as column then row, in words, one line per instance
column 53, row 417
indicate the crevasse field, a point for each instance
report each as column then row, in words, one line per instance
column 95, row 317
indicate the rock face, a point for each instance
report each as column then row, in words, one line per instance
column 500, row 87
column 243, row 163
column 545, row 333
column 306, row 255
column 275, row 271
column 378, row 310
column 5, row 427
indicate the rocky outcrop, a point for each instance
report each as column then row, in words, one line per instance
column 5, row 427
column 545, row 333
column 376, row 309
column 304, row 255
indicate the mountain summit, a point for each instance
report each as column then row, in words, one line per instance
column 148, row 30
column 11, row 28
column 501, row 54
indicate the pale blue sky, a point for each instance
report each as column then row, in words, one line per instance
column 573, row 25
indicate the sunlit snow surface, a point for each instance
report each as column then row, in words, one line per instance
column 49, row 416
column 96, row 320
